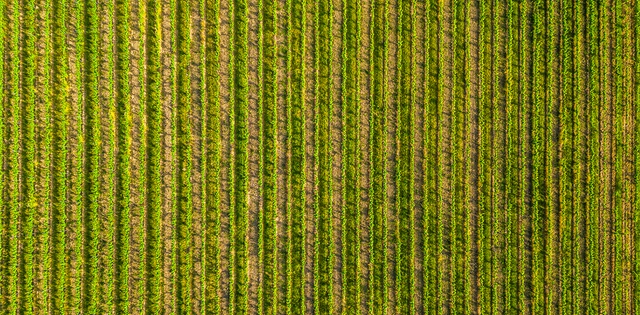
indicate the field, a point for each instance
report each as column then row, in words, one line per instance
column 320, row 157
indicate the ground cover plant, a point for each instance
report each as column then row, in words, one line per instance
column 320, row 157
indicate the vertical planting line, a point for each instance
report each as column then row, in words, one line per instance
column 297, row 166
column 27, row 164
column 241, row 134
column 513, row 144
column 525, row 225
column 457, row 160
column 323, row 199
column 618, row 155
column 212, row 155
column 232, row 170
column 12, row 139
column 485, row 158
column 123, row 152
column 184, row 160
column 139, row 273
column 636, row 206
column 539, row 185
column 579, row 180
column 4, row 219
column 553, row 273
column 442, row 295
column 378, row 155
column 60, row 115
column 593, row 178
column 351, row 156
column 566, row 160
column 92, row 155
column 405, row 165
column 471, row 165
column 269, row 157
column 430, row 205
column 43, row 148
column 107, row 197
column 76, row 188
column 499, row 163
column 153, row 272
column 605, row 280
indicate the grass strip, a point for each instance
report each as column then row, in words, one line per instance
column 458, row 227
column 485, row 156
column 593, row 181
column 154, row 151
column 123, row 152
column 351, row 158
column 539, row 184
column 296, row 104
column 183, row 251
column 552, row 158
column 59, row 185
column 618, row 155
column 241, row 134
column 27, row 158
column 513, row 146
column 92, row 156
column 430, row 205
column 12, row 151
column 580, row 158
column 42, row 233
column 323, row 199
column 213, row 155
column 76, row 155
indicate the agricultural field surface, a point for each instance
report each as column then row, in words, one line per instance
column 296, row 157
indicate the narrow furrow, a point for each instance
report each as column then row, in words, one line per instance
column 458, row 151
column 593, row 183
column 351, row 159
column 212, row 159
column 431, row 151
column 12, row 158
column 59, row 141
column 27, row 161
column 323, row 199
column 122, row 167
column 296, row 126
column 90, row 220
column 42, row 233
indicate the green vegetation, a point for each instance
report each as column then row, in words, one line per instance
column 461, row 156
column 323, row 203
